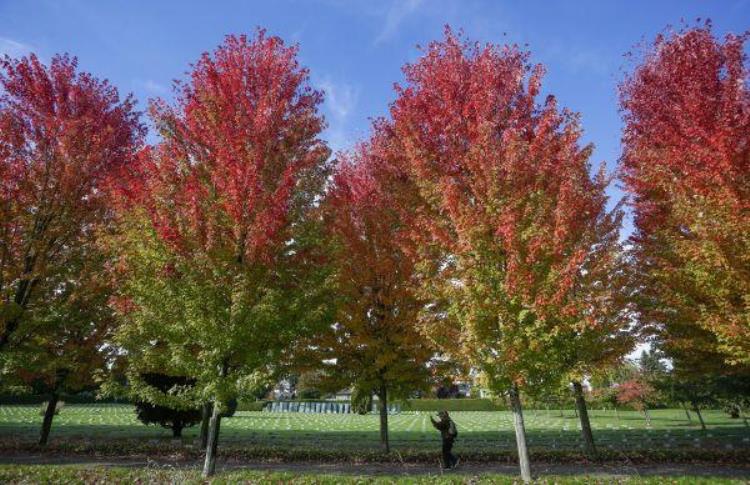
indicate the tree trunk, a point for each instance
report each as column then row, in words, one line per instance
column 523, row 451
column 22, row 297
column 205, row 418
column 583, row 414
column 49, row 414
column 383, row 395
column 648, row 416
column 177, row 430
column 687, row 413
column 697, row 411
column 209, row 466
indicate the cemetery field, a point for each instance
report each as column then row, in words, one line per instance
column 478, row 431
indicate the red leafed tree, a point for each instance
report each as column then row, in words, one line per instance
column 504, row 188
column 636, row 393
column 227, row 190
column 686, row 162
column 375, row 345
column 234, row 149
column 65, row 137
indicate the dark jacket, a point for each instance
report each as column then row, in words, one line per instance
column 446, row 427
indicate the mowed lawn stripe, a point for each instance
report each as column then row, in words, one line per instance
column 477, row 430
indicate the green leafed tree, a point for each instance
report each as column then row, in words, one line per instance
column 61, row 344
column 220, row 266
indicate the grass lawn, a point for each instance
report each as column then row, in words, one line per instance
column 478, row 431
column 80, row 474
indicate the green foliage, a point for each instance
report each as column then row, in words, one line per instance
column 361, row 400
column 61, row 345
column 308, row 385
column 251, row 405
column 174, row 418
column 175, row 316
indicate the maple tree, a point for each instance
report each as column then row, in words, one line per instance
column 65, row 138
column 503, row 188
column 60, row 346
column 374, row 344
column 598, row 336
column 227, row 192
column 636, row 392
column 686, row 163
column 699, row 375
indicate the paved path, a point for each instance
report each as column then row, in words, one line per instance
column 375, row 469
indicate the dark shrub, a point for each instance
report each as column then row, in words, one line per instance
column 174, row 419
column 231, row 408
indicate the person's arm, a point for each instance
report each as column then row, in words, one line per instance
column 439, row 425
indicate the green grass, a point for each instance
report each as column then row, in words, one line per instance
column 478, row 431
column 70, row 474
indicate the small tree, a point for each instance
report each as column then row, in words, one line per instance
column 636, row 393
column 374, row 343
column 167, row 417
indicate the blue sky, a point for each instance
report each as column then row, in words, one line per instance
column 355, row 49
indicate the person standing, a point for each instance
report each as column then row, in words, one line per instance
column 448, row 433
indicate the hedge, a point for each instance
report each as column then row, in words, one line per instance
column 251, row 405
column 435, row 405
column 81, row 398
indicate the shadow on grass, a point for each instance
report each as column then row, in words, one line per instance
column 96, row 435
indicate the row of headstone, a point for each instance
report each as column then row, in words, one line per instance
column 321, row 407
column 392, row 408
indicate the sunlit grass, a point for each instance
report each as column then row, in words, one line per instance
column 626, row 430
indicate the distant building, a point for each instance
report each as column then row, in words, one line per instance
column 343, row 395
column 282, row 391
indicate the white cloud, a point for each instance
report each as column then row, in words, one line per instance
column 340, row 101
column 13, row 48
column 398, row 11
column 151, row 86
column 155, row 87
